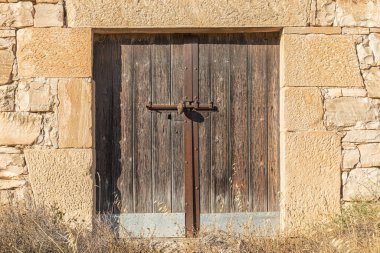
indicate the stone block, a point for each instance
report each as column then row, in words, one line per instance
column 6, row 66
column 326, row 60
column 48, row 15
column 348, row 111
column 11, row 165
column 357, row 13
column 351, row 158
column 303, row 109
column 355, row 30
column 4, row 33
column 63, row 178
column 324, row 12
column 19, row 128
column 16, row 14
column 7, row 98
column 312, row 178
column 362, row 185
column 37, row 95
column 354, row 92
column 372, row 81
column 54, row 52
column 9, row 150
column 50, row 131
column 330, row 93
column 369, row 155
column 74, row 113
column 11, row 184
column 374, row 44
column 49, row 1
column 362, row 136
column 312, row 30
column 374, row 30
column 365, row 54
column 196, row 13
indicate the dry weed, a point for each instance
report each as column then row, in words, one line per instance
column 357, row 229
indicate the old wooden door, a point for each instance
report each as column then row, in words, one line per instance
column 166, row 173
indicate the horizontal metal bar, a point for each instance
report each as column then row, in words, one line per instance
column 161, row 107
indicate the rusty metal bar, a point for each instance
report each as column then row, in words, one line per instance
column 196, row 172
column 193, row 106
column 188, row 144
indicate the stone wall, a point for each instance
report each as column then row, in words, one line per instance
column 330, row 94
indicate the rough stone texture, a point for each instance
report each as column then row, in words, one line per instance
column 48, row 15
column 54, row 52
column 64, row 178
column 374, row 44
column 303, row 109
column 362, row 136
column 369, row 155
column 357, row 13
column 372, row 81
column 311, row 176
column 361, row 184
column 11, row 184
column 351, row 158
column 49, row 135
column 16, row 14
column 312, row 30
column 20, row 197
column 325, row 12
column 74, row 113
column 36, row 95
column 7, row 98
column 19, row 128
column 348, row 111
column 11, row 165
column 326, row 60
column 7, row 33
column 6, row 66
column 197, row 13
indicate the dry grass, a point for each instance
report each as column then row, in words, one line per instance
column 356, row 230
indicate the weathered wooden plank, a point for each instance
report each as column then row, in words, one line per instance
column 103, row 117
column 178, row 69
column 142, row 130
column 205, row 126
column 259, row 149
column 220, row 168
column 239, row 124
column 273, row 122
column 125, row 142
column 162, row 171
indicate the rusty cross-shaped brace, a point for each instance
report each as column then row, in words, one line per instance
column 182, row 107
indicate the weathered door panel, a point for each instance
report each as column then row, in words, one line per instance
column 141, row 154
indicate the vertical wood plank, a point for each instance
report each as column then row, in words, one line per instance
column 103, row 116
column 162, row 170
column 220, row 168
column 273, row 123
column 239, row 124
column 205, row 126
column 259, row 115
column 125, row 181
column 142, row 121
column 177, row 68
